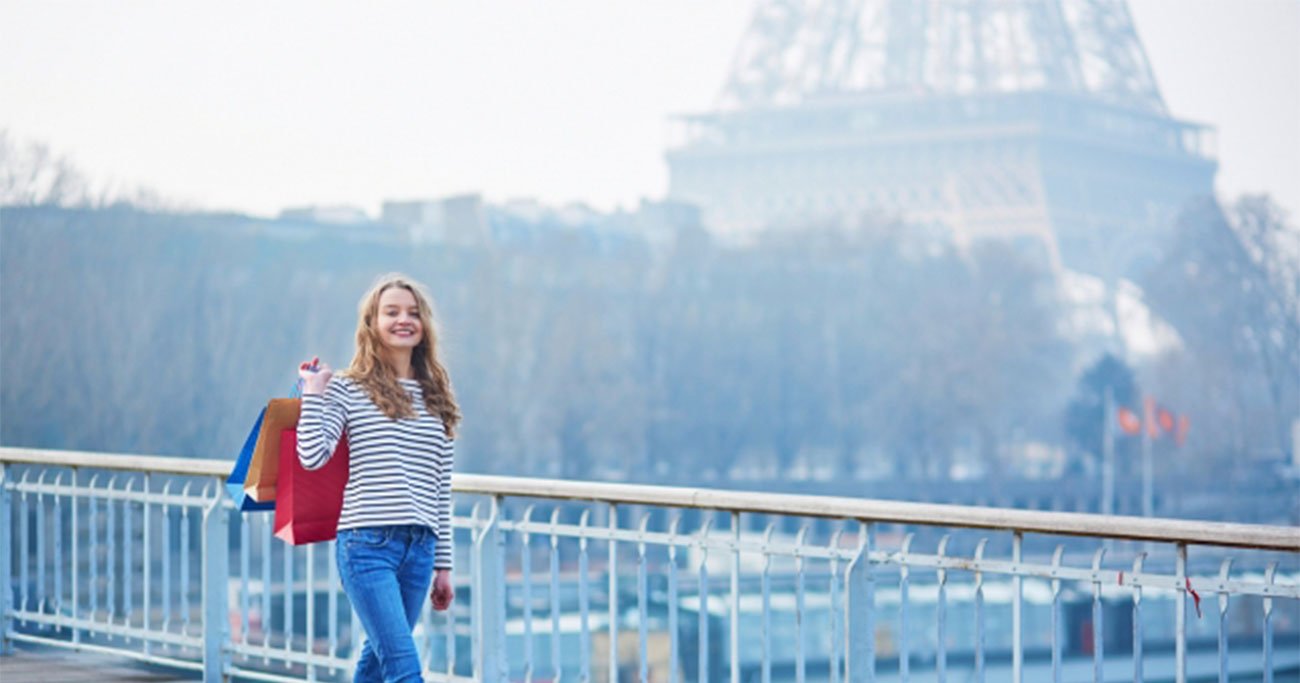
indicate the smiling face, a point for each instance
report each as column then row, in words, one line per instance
column 398, row 319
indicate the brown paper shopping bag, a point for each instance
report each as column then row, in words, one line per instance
column 263, row 471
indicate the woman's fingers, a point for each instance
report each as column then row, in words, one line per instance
column 441, row 596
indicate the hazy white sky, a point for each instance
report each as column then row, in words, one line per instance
column 254, row 106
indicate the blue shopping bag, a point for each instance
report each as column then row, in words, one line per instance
column 235, row 484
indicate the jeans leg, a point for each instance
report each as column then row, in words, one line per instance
column 368, row 670
column 416, row 576
column 369, row 572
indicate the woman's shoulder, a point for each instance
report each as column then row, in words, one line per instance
column 344, row 383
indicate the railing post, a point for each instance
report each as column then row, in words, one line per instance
column 6, row 564
column 216, row 574
column 613, row 594
column 489, row 598
column 1180, row 615
column 1017, row 596
column 861, row 596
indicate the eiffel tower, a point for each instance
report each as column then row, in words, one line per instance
column 1037, row 121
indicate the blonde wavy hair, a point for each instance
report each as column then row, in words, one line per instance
column 369, row 370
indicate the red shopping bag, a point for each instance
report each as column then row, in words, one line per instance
column 308, row 502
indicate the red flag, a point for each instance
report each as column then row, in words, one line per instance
column 1165, row 419
column 1180, row 436
column 1129, row 422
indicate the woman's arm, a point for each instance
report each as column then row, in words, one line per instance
column 442, row 593
column 323, row 417
column 443, row 552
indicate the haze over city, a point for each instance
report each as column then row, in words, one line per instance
column 253, row 107
column 784, row 340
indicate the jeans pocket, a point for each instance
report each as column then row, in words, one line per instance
column 370, row 537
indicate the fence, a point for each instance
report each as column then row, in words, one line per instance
column 559, row 580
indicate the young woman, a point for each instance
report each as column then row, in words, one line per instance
column 395, row 405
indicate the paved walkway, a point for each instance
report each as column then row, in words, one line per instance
column 41, row 664
column 36, row 664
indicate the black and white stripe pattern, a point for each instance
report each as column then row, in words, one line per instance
column 400, row 470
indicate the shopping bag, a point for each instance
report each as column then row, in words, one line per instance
column 239, row 474
column 308, row 502
column 281, row 414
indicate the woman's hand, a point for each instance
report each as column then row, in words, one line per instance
column 442, row 593
column 315, row 376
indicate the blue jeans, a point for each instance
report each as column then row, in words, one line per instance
column 386, row 573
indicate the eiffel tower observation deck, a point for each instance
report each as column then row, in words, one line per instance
column 1038, row 121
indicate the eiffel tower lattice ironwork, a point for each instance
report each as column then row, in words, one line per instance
column 1038, row 120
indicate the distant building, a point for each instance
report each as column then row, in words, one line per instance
column 521, row 223
column 663, row 221
column 337, row 213
column 660, row 224
column 458, row 219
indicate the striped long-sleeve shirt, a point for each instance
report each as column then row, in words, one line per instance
column 399, row 470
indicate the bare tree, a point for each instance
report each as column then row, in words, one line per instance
column 1228, row 284
column 32, row 175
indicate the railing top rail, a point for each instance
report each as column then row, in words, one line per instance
column 1254, row 536
column 157, row 464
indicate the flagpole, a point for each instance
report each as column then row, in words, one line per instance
column 1108, row 454
column 1148, row 421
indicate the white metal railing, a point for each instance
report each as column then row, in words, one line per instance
column 560, row 580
